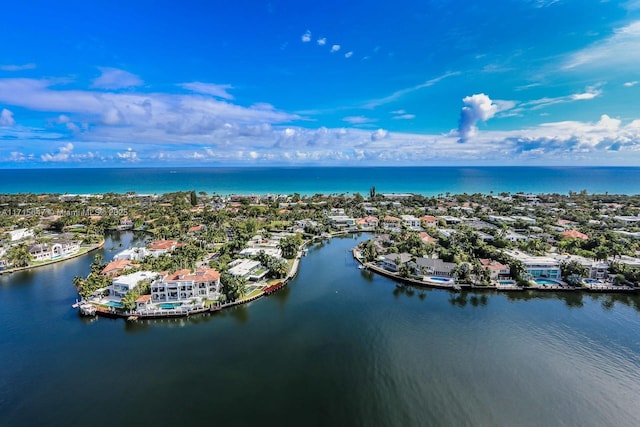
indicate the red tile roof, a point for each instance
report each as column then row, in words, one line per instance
column 143, row 298
column 115, row 266
column 162, row 244
column 574, row 234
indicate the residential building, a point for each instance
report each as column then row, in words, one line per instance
column 429, row 221
column 574, row 234
column 392, row 262
column 115, row 268
column 537, row 266
column 247, row 269
column 121, row 285
column 160, row 247
column 367, row 222
column 183, row 285
column 432, row 267
column 596, row 269
column 20, row 233
column 132, row 254
column 54, row 250
column 391, row 223
column 341, row 221
column 426, row 238
column 496, row 269
column 411, row 222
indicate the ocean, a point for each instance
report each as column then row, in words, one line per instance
column 428, row 181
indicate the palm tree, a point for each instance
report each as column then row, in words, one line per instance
column 19, row 255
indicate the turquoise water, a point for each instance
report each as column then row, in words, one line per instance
column 113, row 304
column 170, row 305
column 547, row 282
column 338, row 346
column 311, row 180
column 439, row 279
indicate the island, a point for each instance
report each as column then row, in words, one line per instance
column 200, row 252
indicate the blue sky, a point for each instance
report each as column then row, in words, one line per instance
column 195, row 83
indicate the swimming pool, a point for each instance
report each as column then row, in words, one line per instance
column 440, row 279
column 170, row 305
column 114, row 304
column 540, row 281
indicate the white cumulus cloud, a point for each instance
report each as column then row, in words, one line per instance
column 477, row 108
column 335, row 48
column 348, row 54
column 322, row 41
column 379, row 134
column 128, row 155
column 63, row 154
column 6, row 118
column 306, row 37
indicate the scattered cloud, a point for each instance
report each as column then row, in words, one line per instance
column 358, row 120
column 585, row 95
column 322, row 41
column 6, row 118
column 404, row 117
column 619, row 50
column 590, row 92
column 631, row 5
column 348, row 54
column 306, row 37
column 335, row 48
column 115, row 78
column 62, row 155
column 128, row 155
column 630, row 84
column 402, row 92
column 219, row 91
column 157, row 116
column 15, row 67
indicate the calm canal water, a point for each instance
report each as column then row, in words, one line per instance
column 336, row 347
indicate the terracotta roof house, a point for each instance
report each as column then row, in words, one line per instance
column 574, row 234
column 114, row 268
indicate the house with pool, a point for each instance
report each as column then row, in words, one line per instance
column 538, row 266
column 54, row 250
column 183, row 285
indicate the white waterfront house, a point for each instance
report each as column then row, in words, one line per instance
column 183, row 285
column 55, row 250
column 538, row 266
column 132, row 254
column 247, row 269
column 597, row 269
column 341, row 221
column 121, row 285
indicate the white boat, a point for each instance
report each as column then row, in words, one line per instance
column 87, row 309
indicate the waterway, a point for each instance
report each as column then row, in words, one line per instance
column 338, row 346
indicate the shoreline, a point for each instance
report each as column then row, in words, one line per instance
column 457, row 287
column 163, row 314
column 80, row 253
